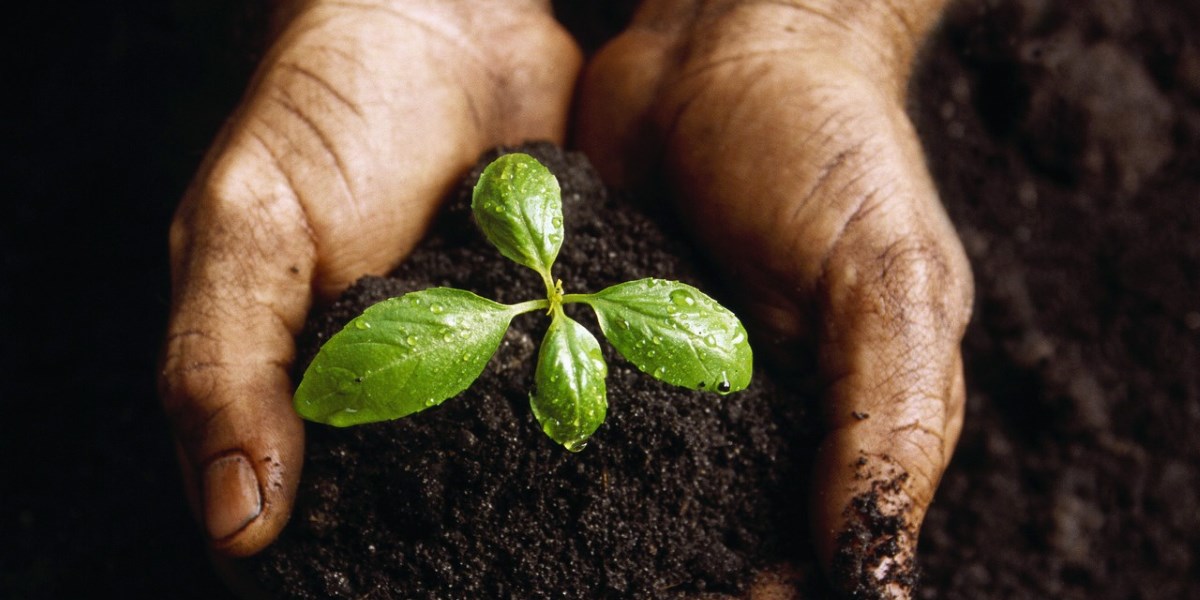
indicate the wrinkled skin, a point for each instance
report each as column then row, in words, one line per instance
column 779, row 127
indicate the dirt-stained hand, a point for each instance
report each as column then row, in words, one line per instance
column 781, row 129
column 359, row 119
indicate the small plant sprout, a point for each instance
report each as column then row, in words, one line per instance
column 406, row 354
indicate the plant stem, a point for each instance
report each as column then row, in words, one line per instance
column 529, row 306
column 576, row 298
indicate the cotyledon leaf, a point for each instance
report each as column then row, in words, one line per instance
column 675, row 333
column 570, row 401
column 518, row 205
column 401, row 356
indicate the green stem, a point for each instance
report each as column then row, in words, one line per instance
column 529, row 306
column 576, row 298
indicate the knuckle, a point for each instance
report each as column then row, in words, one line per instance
column 189, row 379
column 919, row 281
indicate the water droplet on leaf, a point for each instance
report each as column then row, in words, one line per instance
column 682, row 298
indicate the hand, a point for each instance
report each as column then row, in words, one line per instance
column 360, row 118
column 781, row 129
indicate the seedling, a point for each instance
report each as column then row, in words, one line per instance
column 406, row 354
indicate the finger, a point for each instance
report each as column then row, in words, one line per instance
column 613, row 120
column 894, row 407
column 242, row 260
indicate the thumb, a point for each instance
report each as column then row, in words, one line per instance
column 242, row 263
column 894, row 405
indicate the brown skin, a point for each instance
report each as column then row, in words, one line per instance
column 779, row 126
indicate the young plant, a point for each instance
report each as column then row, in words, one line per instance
column 406, row 354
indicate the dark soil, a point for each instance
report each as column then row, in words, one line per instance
column 1065, row 139
column 678, row 492
column 1064, row 136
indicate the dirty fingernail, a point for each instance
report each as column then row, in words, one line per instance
column 231, row 496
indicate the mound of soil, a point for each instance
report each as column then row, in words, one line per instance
column 678, row 492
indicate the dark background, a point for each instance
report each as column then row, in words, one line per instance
column 1065, row 138
column 111, row 106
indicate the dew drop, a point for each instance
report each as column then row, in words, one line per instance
column 436, row 309
column 682, row 298
column 498, row 208
column 362, row 324
column 430, row 402
column 624, row 324
column 449, row 337
column 557, row 222
column 660, row 372
column 650, row 353
column 739, row 337
column 711, row 340
column 412, row 340
column 575, row 446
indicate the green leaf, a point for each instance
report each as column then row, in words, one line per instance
column 570, row 402
column 675, row 333
column 518, row 205
column 401, row 356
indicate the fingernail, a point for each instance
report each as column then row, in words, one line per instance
column 231, row 496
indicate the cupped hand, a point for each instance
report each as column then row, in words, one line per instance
column 361, row 116
column 781, row 130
